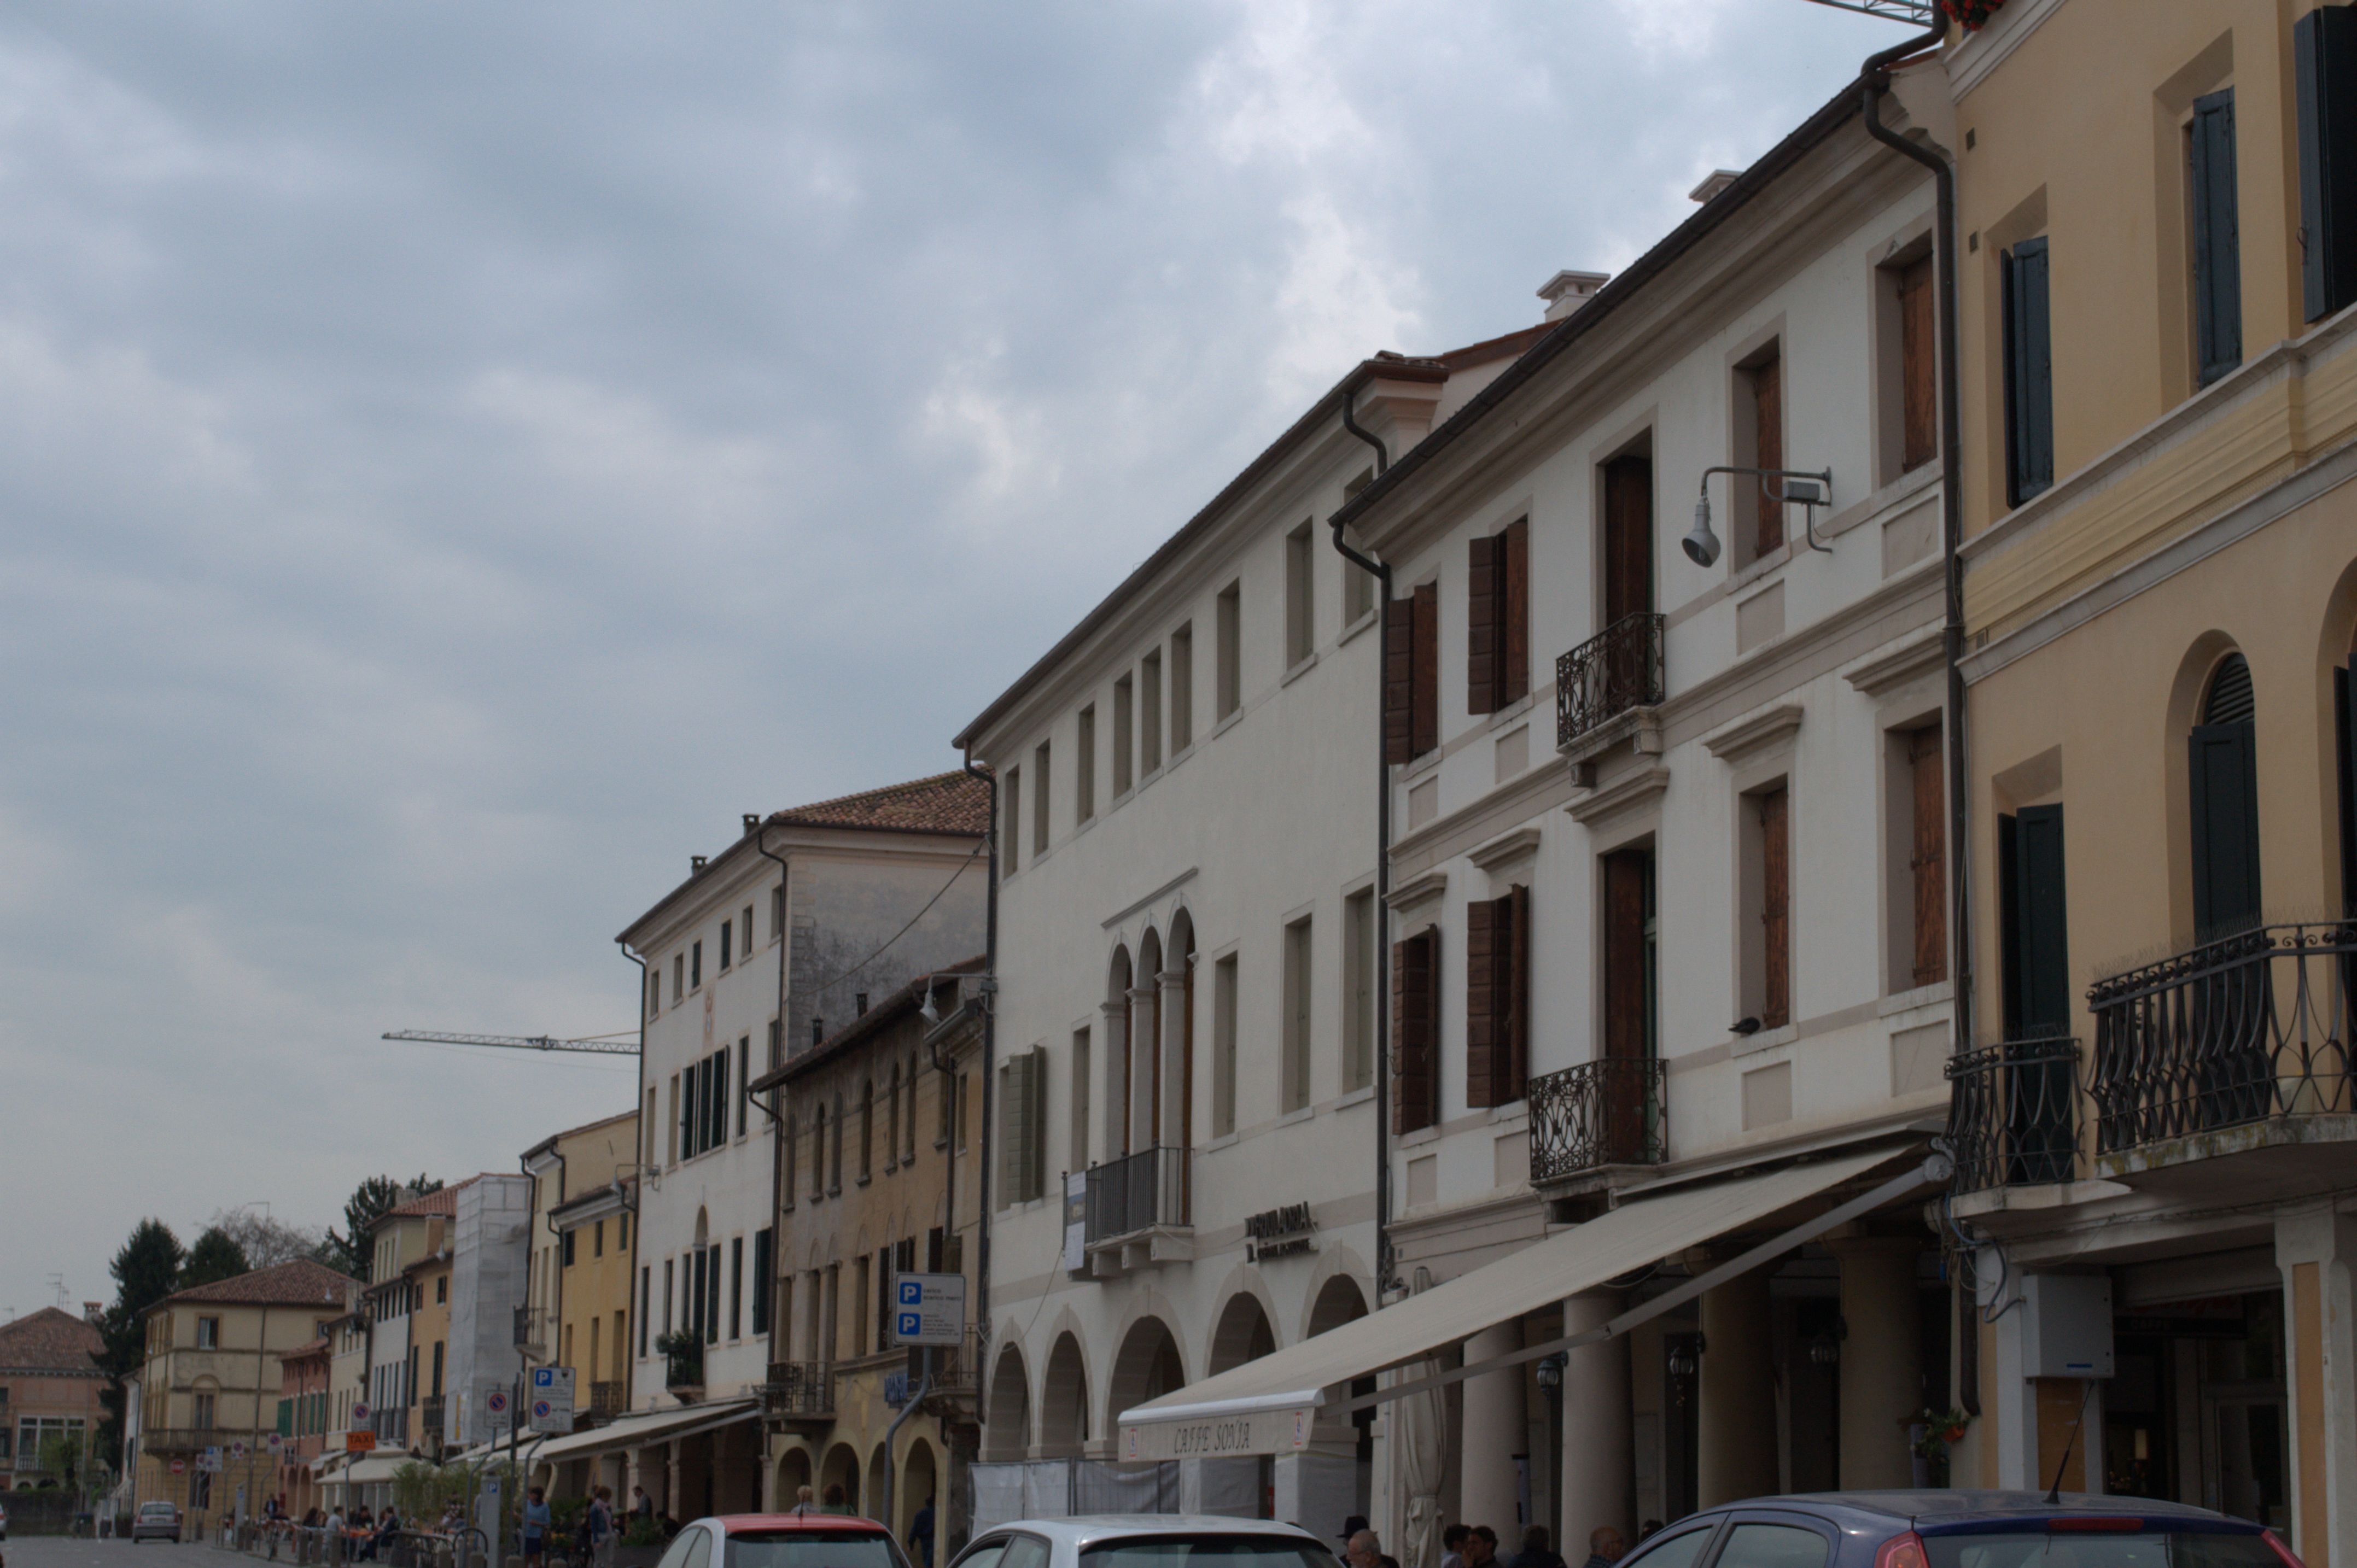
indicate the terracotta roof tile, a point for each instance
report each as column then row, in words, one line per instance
column 443, row 1200
column 945, row 804
column 299, row 1284
column 49, row 1338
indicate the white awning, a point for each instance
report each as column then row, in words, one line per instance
column 647, row 1426
column 370, row 1470
column 1267, row 1406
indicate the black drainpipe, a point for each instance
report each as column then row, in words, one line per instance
column 1874, row 78
column 646, row 1141
column 775, row 1109
column 1384, row 1273
column 989, row 989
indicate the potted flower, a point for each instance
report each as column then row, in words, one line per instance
column 1931, row 1435
column 1973, row 14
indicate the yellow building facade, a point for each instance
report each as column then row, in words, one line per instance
column 2153, row 1114
column 585, row 1203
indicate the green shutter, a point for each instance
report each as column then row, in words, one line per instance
column 2040, row 922
column 2222, row 776
column 2029, row 372
column 2217, row 247
column 287, row 1418
column 2324, row 67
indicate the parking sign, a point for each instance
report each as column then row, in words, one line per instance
column 929, row 1309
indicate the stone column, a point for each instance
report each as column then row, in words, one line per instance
column 2316, row 1251
column 1881, row 1359
column 1113, row 1121
column 1493, row 1431
column 1596, row 1478
column 1173, row 1133
column 1320, row 1490
column 1736, row 1416
column 1141, row 1046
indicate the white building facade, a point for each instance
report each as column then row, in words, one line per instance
column 1183, row 1110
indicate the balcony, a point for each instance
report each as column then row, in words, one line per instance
column 2013, row 1112
column 183, row 1440
column 391, row 1427
column 2238, row 1045
column 683, row 1355
column 430, row 1417
column 1605, row 688
column 799, row 1394
column 1612, row 1111
column 607, row 1400
column 1138, row 1212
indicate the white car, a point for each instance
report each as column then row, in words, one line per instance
column 155, row 1521
column 1144, row 1541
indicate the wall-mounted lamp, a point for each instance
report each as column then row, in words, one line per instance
column 1825, row 1347
column 1550, row 1371
column 1807, row 490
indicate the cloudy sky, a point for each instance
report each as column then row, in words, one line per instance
column 455, row 458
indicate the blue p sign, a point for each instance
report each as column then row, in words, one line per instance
column 908, row 1325
column 912, row 1293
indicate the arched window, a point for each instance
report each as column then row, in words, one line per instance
column 818, row 1150
column 892, row 1121
column 2223, row 790
column 793, row 1171
column 835, row 1166
column 867, row 1128
column 909, row 1148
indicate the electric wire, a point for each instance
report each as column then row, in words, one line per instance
column 963, row 866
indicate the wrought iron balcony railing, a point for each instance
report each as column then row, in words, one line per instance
column 1611, row 1111
column 2242, row 1029
column 1137, row 1192
column 2013, row 1112
column 799, row 1390
column 607, row 1400
column 430, row 1413
column 684, row 1367
column 392, row 1427
column 1615, row 670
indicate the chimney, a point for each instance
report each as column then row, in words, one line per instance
column 1718, row 180
column 1567, row 291
column 94, row 1312
column 696, row 863
column 859, row 1003
column 752, row 823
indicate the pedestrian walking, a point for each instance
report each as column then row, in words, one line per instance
column 1365, row 1549
column 536, row 1522
column 1481, row 1547
column 601, row 1528
column 1604, row 1547
column 1538, row 1550
column 1452, row 1545
column 921, row 1534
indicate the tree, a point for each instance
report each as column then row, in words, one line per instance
column 145, row 1271
column 266, row 1242
column 215, row 1257
column 349, row 1250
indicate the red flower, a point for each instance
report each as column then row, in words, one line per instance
column 1973, row 14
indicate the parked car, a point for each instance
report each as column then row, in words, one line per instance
column 783, row 1541
column 155, row 1521
column 4, row 1518
column 1959, row 1530
column 1144, row 1541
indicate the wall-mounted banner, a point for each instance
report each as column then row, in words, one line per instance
column 1251, row 1432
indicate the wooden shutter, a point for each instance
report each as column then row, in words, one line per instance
column 1481, row 629
column 2222, row 775
column 1776, row 909
column 1768, row 452
column 2041, row 919
column 2324, row 62
column 1628, row 537
column 2344, row 724
column 720, row 1098
column 1399, row 681
column 2028, row 372
column 2217, row 246
column 1517, row 904
column 1415, row 993
column 1626, row 873
column 1514, row 613
column 1040, row 1123
column 1484, row 1001
column 1919, row 358
column 1929, row 857
column 1424, row 704
column 2009, row 921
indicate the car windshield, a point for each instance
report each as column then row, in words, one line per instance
column 157, row 1510
column 2094, row 1549
column 812, row 1549
column 1178, row 1551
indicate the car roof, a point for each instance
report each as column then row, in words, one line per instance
column 1936, row 1510
column 731, row 1523
column 1083, row 1529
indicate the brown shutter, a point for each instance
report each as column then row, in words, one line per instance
column 1624, row 956
column 1517, row 906
column 1484, row 1001
column 1481, row 605
column 1628, row 538
column 1918, row 366
column 1399, row 680
column 1929, row 858
column 1424, row 717
column 1776, row 909
column 1415, row 994
column 1514, row 614
column 1767, row 438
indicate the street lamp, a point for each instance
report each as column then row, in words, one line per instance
column 1550, row 1375
column 1808, row 490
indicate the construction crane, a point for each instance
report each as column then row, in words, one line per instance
column 1922, row 13
column 517, row 1042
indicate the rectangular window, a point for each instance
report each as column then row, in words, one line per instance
column 1084, row 766
column 439, row 1346
column 569, row 1235
column 1224, row 1046
column 1359, row 949
column 2028, row 373
column 1497, row 998
column 1182, row 688
column 777, row 911
column 884, row 1299
column 2033, row 913
column 735, row 1288
column 205, row 1412
column 764, row 1265
column 2324, row 62
column 791, row 1173
column 744, row 1078
column 1632, row 963
column 1228, row 676
column 1628, row 537
column 678, row 977
column 1042, row 772
column 859, row 1299
column 1293, row 1087
column 1759, row 444
column 676, row 1122
column 1022, row 1127
column 1919, row 367
column 728, row 934
column 1416, row 1031
column 1919, row 843
column 622, row 1243
column 1077, row 1149
column 667, row 1298
column 745, row 931
column 1149, row 712
column 1766, row 935
column 712, row 1296
column 695, row 965
column 1412, row 675
column 1300, row 597
column 1498, row 619
column 1010, row 822
column 596, row 1241
column 207, row 1333
column 1124, row 722
column 654, row 990
column 2217, row 245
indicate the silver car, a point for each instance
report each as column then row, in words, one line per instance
column 155, row 1521
column 1144, row 1541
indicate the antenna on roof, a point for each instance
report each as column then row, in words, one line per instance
column 1922, row 13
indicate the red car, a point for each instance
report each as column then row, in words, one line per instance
column 783, row 1541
